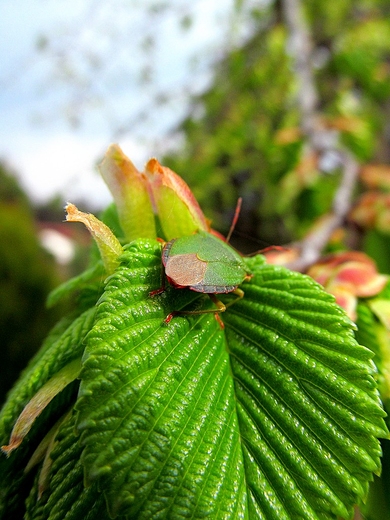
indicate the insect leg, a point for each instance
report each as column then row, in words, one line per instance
column 239, row 293
column 221, row 307
column 160, row 290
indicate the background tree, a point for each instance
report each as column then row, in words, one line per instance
column 248, row 136
column 27, row 275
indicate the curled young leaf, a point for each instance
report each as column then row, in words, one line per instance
column 39, row 402
column 109, row 246
column 129, row 189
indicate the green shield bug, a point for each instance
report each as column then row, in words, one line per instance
column 204, row 263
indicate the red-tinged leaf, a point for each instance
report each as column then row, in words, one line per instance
column 352, row 270
column 376, row 176
column 176, row 206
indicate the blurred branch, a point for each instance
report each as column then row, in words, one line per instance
column 300, row 48
column 313, row 244
column 319, row 140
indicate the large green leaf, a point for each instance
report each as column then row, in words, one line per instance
column 276, row 416
column 147, row 396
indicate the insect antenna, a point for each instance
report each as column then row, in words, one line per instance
column 235, row 218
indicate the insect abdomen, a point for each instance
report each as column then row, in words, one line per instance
column 213, row 289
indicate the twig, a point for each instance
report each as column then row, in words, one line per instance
column 314, row 243
column 319, row 140
column 300, row 48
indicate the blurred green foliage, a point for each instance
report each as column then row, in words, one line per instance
column 27, row 274
column 242, row 135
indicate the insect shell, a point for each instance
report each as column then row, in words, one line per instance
column 203, row 263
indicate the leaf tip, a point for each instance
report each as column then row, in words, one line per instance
column 15, row 442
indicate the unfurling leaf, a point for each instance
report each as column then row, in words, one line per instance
column 109, row 246
column 129, row 189
column 39, row 402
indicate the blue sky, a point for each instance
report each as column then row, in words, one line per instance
column 38, row 100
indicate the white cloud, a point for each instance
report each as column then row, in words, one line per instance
column 64, row 163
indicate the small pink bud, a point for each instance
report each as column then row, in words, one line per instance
column 280, row 255
column 348, row 275
column 344, row 298
column 363, row 278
